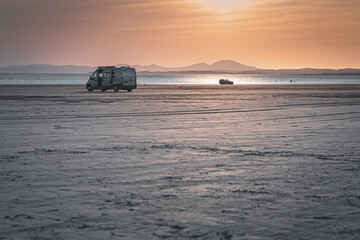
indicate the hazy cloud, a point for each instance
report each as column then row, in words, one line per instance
column 261, row 32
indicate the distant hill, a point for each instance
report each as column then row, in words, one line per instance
column 221, row 66
column 45, row 68
column 146, row 68
column 305, row 71
column 224, row 66
column 232, row 66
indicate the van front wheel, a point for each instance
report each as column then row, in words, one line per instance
column 129, row 90
column 89, row 88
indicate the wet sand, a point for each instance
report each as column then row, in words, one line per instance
column 180, row 161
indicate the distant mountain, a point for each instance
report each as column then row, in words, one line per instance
column 221, row 66
column 224, row 66
column 231, row 65
column 305, row 71
column 146, row 68
column 45, row 68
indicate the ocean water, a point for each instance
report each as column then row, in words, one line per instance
column 78, row 79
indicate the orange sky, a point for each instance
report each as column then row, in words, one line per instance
column 261, row 33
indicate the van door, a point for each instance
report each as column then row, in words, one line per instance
column 106, row 78
column 129, row 77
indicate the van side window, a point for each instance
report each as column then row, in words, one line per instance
column 106, row 75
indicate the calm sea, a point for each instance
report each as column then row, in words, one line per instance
column 76, row 79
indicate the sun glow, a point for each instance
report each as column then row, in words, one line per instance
column 224, row 5
column 262, row 33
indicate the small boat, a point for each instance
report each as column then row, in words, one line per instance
column 225, row 82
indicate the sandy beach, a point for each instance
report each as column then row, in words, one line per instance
column 180, row 162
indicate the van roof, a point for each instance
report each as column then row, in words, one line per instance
column 106, row 67
column 113, row 67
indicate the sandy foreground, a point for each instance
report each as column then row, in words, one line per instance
column 180, row 161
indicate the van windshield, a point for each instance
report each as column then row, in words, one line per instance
column 94, row 75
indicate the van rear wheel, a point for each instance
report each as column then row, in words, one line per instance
column 103, row 90
column 116, row 88
column 129, row 90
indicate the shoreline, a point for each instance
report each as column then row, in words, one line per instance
column 203, row 84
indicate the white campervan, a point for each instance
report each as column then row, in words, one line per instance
column 105, row 78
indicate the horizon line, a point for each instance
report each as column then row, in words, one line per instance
column 158, row 65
